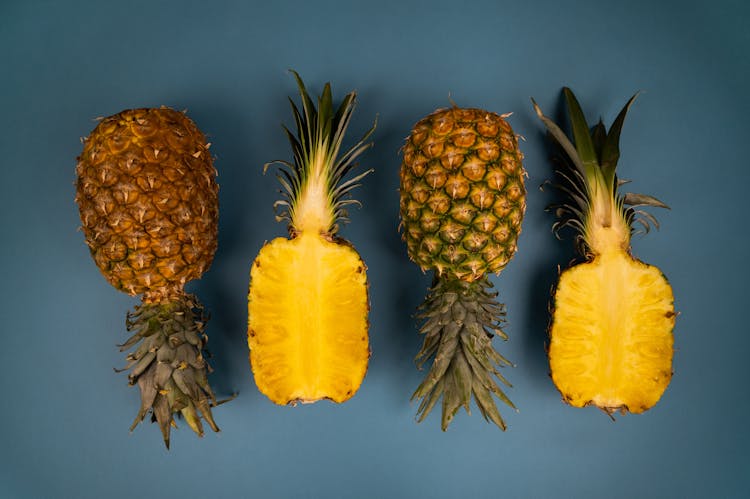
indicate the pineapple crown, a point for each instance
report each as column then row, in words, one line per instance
column 591, row 182
column 314, row 194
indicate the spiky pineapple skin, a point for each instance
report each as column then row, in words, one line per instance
column 148, row 200
column 462, row 196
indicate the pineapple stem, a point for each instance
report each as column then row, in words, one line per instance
column 459, row 320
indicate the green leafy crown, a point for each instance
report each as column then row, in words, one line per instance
column 591, row 171
column 316, row 144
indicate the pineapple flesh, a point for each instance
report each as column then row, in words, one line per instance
column 148, row 202
column 308, row 298
column 462, row 203
column 611, row 340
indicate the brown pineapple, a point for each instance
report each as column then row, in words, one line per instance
column 148, row 201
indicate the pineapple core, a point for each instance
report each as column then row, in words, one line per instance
column 313, row 211
column 611, row 341
column 307, row 328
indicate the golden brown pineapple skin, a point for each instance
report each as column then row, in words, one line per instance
column 611, row 341
column 148, row 201
column 462, row 192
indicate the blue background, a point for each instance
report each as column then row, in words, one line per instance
column 65, row 414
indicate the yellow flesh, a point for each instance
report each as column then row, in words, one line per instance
column 307, row 328
column 611, row 338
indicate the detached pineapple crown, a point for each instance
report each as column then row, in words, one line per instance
column 314, row 193
column 602, row 216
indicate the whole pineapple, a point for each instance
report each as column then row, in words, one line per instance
column 148, row 201
column 307, row 299
column 462, row 204
column 611, row 341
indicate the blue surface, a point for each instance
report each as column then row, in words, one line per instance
column 63, row 426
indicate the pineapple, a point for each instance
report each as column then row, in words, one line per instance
column 611, row 331
column 148, row 201
column 307, row 300
column 462, row 204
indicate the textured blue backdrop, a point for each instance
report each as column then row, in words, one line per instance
column 63, row 425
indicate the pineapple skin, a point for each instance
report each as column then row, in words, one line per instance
column 462, row 196
column 148, row 201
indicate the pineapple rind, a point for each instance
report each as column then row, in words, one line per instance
column 462, row 202
column 307, row 326
column 148, row 200
column 462, row 193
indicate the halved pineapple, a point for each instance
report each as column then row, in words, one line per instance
column 307, row 303
column 611, row 341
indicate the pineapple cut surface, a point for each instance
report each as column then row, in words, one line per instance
column 611, row 336
column 307, row 327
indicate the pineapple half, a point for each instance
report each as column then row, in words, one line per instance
column 308, row 303
column 611, row 339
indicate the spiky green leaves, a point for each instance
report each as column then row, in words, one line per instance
column 460, row 320
column 168, row 365
column 313, row 187
column 592, row 184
